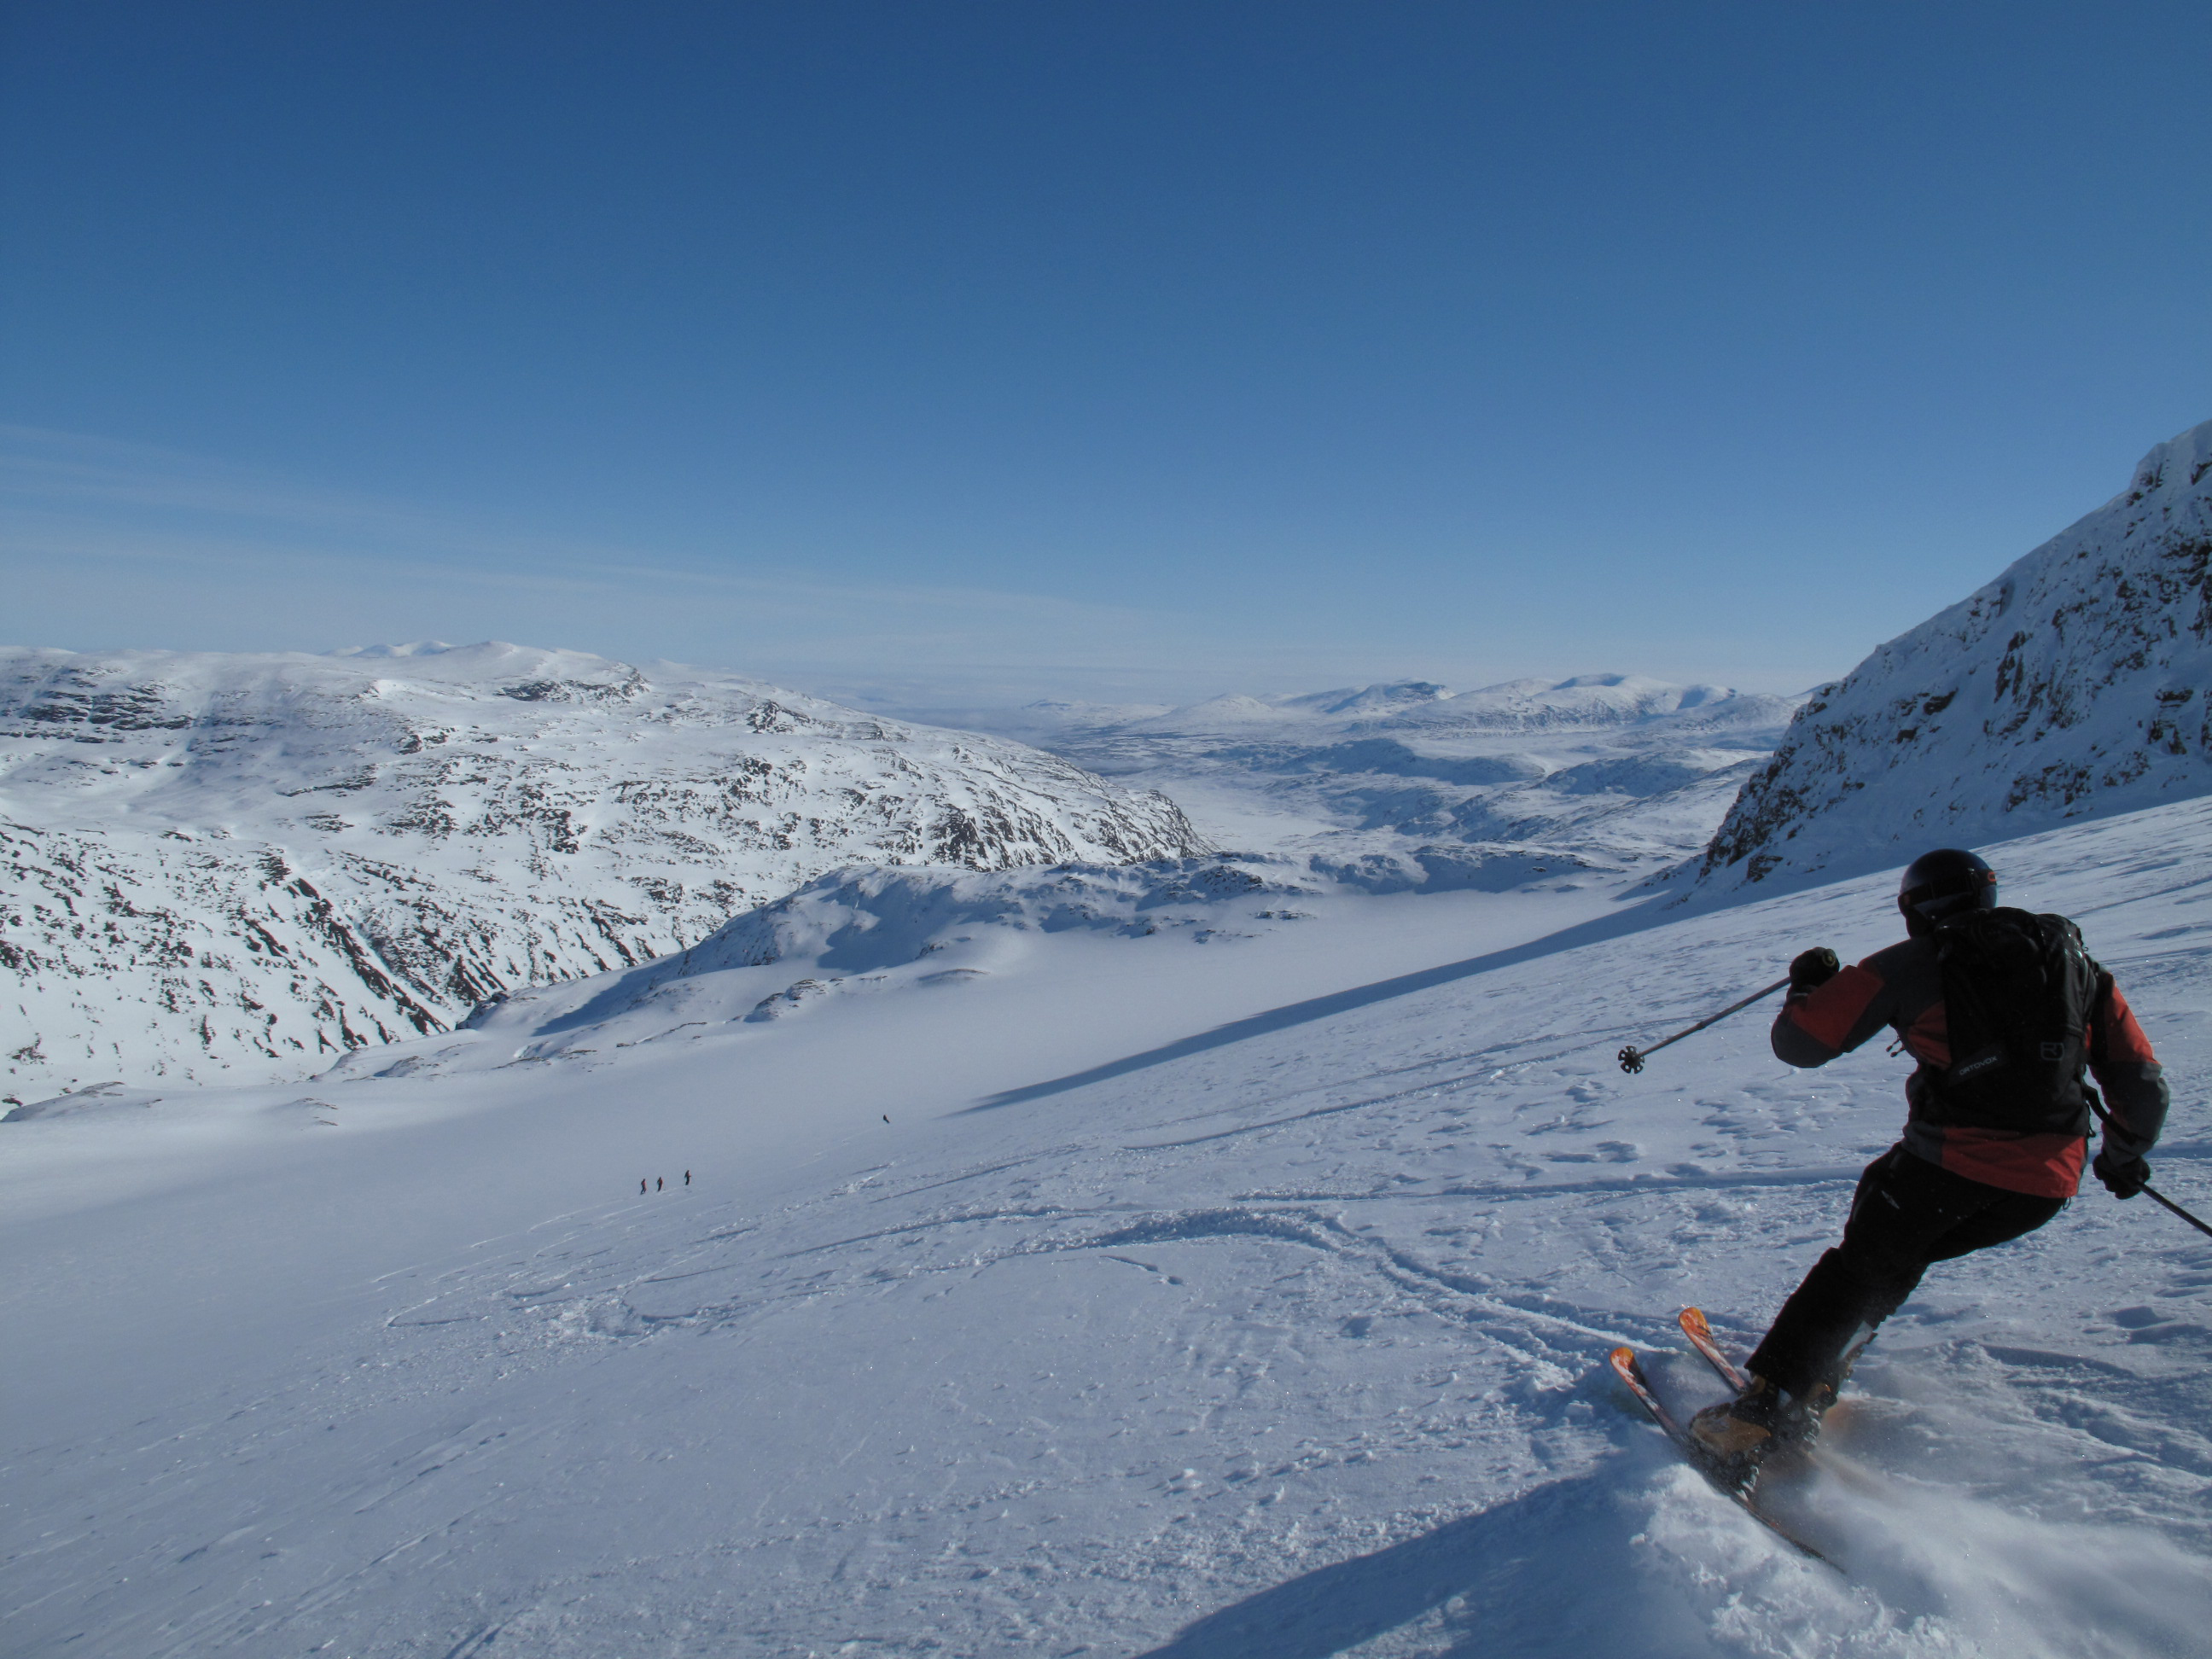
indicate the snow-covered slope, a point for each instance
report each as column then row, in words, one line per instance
column 1623, row 773
column 2078, row 681
column 877, row 931
column 1237, row 1301
column 211, row 862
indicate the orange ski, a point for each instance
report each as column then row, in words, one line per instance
column 1692, row 1322
column 1631, row 1372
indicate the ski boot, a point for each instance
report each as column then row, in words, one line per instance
column 1738, row 1436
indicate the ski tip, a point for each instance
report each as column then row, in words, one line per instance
column 1692, row 1319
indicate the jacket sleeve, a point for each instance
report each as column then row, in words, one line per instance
column 1815, row 1026
column 2133, row 1082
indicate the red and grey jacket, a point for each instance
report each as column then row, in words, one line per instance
column 1902, row 989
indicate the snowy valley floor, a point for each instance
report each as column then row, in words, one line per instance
column 1242, row 1300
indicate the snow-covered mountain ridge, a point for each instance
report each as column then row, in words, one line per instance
column 209, row 861
column 2077, row 683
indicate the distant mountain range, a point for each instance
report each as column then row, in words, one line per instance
column 1584, row 703
column 1621, row 772
column 211, row 862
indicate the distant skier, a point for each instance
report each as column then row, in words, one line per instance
column 657, row 1183
column 640, row 1185
column 687, row 1177
column 2003, row 1010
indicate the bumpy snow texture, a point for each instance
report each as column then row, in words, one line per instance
column 215, row 863
column 2073, row 685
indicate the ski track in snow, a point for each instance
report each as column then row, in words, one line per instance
column 1288, row 1345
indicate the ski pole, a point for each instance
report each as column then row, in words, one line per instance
column 2158, row 1197
column 1632, row 1058
column 2147, row 1189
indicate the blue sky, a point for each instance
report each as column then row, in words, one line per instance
column 939, row 352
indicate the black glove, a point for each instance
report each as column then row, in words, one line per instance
column 1810, row 970
column 2124, row 1177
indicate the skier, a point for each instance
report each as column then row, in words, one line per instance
column 659, row 1183
column 2002, row 1009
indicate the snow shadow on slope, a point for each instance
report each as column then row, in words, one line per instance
column 1636, row 1557
column 1605, row 1566
column 1337, row 1002
column 1551, row 1572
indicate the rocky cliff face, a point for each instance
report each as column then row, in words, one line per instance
column 2074, row 683
column 213, row 864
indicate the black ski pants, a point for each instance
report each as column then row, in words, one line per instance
column 1907, row 1213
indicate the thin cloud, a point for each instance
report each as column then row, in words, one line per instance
column 112, row 543
column 73, row 495
column 109, row 543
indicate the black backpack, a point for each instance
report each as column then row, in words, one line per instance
column 2018, row 993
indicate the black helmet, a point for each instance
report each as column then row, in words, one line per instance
column 1943, row 884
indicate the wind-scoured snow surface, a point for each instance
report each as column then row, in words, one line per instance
column 1236, row 1299
column 2079, row 682
column 251, row 863
column 1624, row 774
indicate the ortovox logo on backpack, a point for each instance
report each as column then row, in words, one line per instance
column 2017, row 994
